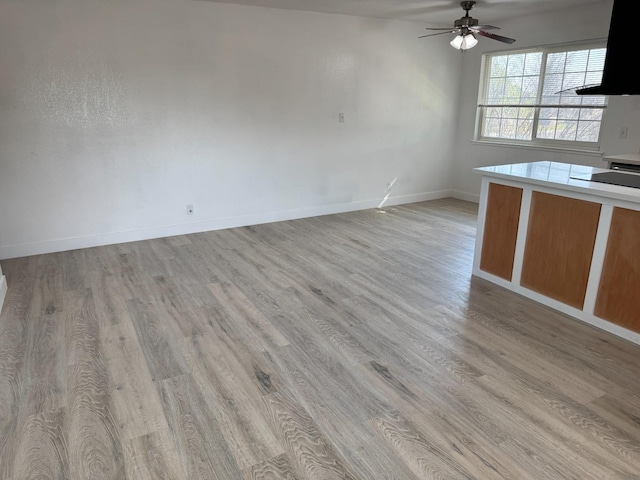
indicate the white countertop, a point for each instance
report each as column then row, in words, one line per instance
column 563, row 176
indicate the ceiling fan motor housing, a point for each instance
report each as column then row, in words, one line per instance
column 465, row 22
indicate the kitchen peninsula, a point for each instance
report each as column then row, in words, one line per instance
column 546, row 231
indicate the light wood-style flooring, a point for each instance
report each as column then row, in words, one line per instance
column 351, row 346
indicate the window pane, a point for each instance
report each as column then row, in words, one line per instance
column 530, row 87
column 508, row 128
column 570, row 99
column 593, row 100
column 496, row 90
column 513, row 90
column 569, row 113
column 590, row 114
column 526, row 113
column 552, row 84
column 588, row 131
column 494, row 112
column 596, row 59
column 593, row 77
column 555, row 62
column 566, row 130
column 577, row 61
column 572, row 80
column 525, row 130
column 532, row 63
column 550, row 100
column 499, row 66
column 515, row 65
column 546, row 128
column 548, row 113
column 510, row 112
column 492, row 127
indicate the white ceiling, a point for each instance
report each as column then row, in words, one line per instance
column 427, row 11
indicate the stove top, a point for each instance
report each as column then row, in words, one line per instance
column 617, row 178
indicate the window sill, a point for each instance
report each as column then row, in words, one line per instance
column 548, row 148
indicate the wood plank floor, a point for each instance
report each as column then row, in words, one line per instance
column 351, row 346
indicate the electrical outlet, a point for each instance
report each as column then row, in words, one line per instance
column 624, row 131
column 190, row 209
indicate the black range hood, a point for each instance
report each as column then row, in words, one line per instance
column 618, row 77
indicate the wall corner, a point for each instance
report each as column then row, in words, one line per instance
column 3, row 288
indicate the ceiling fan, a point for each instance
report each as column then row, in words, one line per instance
column 467, row 28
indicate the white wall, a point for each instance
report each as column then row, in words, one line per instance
column 588, row 22
column 116, row 115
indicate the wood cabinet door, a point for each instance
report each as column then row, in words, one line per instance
column 500, row 230
column 618, row 298
column 559, row 247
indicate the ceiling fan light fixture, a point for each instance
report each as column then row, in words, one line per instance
column 464, row 42
column 469, row 41
column 457, row 42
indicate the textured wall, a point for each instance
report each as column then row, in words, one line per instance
column 115, row 115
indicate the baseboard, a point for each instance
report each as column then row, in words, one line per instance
column 580, row 315
column 3, row 290
column 469, row 197
column 65, row 244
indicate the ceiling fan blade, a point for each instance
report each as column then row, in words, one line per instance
column 484, row 27
column 443, row 28
column 440, row 33
column 493, row 36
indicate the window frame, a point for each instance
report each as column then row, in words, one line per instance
column 535, row 142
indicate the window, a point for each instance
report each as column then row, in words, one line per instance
column 526, row 96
